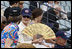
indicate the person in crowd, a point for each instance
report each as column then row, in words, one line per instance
column 26, row 18
column 7, row 10
column 53, row 23
column 52, row 15
column 68, row 34
column 49, row 18
column 9, row 35
column 58, row 7
column 47, row 5
column 21, row 4
column 36, row 15
column 39, row 42
column 61, row 38
column 29, row 18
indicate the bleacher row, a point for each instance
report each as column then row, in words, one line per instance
column 66, row 5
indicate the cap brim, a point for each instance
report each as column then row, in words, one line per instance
column 64, row 37
column 27, row 15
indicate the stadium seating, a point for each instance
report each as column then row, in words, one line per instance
column 65, row 5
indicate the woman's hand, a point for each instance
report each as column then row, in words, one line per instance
column 50, row 41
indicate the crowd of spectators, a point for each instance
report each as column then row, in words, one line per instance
column 15, row 18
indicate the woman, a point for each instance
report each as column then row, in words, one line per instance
column 9, row 35
column 36, row 16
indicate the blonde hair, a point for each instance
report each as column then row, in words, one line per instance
column 24, row 45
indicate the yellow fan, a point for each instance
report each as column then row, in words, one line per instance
column 39, row 28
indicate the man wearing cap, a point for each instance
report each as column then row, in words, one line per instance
column 61, row 39
column 26, row 17
column 7, row 10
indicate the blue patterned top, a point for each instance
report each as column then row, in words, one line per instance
column 10, row 31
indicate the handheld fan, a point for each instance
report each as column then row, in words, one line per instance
column 39, row 28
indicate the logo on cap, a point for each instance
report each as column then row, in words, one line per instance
column 26, row 11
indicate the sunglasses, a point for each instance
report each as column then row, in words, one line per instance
column 26, row 17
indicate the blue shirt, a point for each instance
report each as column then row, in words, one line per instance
column 10, row 31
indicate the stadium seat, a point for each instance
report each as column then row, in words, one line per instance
column 67, row 8
column 68, row 3
column 63, row 3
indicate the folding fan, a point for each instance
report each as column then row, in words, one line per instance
column 39, row 28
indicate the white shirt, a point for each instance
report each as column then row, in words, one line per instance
column 21, row 27
column 22, row 37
